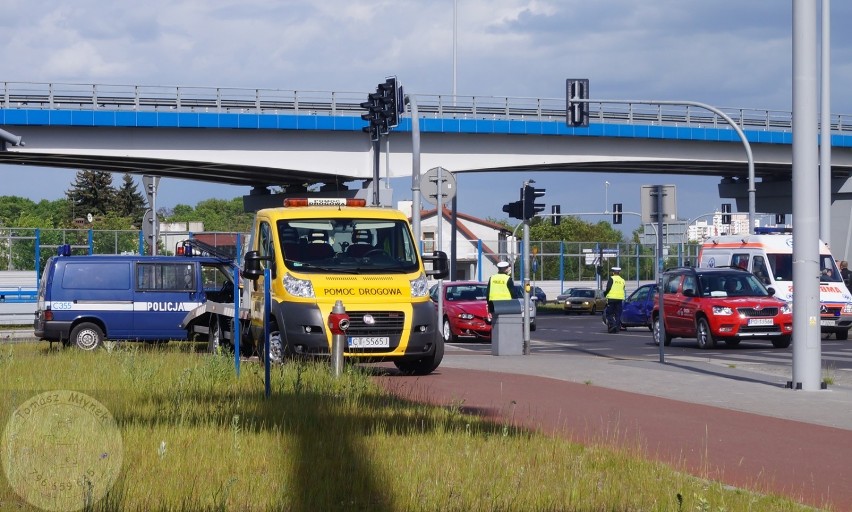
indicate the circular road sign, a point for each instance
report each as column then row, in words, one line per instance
column 429, row 185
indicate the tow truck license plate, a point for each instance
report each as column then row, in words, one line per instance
column 760, row 321
column 369, row 341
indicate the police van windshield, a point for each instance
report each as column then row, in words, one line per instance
column 782, row 268
column 347, row 245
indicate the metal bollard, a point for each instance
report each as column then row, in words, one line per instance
column 338, row 322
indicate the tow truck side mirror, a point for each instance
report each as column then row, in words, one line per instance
column 440, row 265
column 252, row 268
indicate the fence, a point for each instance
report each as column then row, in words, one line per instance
column 24, row 252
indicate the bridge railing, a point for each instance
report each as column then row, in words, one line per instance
column 32, row 95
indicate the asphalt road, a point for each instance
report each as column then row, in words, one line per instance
column 557, row 333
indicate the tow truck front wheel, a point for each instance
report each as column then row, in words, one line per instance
column 87, row 336
column 276, row 348
column 426, row 365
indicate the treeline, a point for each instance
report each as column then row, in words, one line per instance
column 113, row 207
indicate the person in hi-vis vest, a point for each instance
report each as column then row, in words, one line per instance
column 614, row 294
column 500, row 286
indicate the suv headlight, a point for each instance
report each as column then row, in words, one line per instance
column 722, row 310
column 787, row 308
column 419, row 286
column 298, row 287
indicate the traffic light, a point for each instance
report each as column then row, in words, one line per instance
column 515, row 209
column 390, row 102
column 373, row 115
column 530, row 206
column 616, row 213
column 577, row 113
column 556, row 212
column 726, row 213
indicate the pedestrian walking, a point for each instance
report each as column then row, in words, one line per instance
column 614, row 294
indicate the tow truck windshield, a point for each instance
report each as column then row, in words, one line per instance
column 347, row 244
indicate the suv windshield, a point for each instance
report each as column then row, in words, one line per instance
column 347, row 245
column 725, row 284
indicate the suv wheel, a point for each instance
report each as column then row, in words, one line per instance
column 655, row 328
column 704, row 335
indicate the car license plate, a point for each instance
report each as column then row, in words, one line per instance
column 830, row 323
column 368, row 341
column 760, row 321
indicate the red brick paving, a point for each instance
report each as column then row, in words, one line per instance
column 811, row 464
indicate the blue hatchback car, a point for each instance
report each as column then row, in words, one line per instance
column 639, row 306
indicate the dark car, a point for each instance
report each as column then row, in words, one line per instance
column 639, row 306
column 721, row 304
column 465, row 310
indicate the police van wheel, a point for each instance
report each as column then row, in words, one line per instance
column 87, row 336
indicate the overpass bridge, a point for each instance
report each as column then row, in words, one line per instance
column 272, row 137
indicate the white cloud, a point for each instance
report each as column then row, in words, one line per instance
column 726, row 52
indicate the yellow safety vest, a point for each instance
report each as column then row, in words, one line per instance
column 617, row 290
column 499, row 289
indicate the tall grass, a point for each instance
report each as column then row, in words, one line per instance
column 196, row 437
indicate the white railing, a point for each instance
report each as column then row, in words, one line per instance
column 68, row 96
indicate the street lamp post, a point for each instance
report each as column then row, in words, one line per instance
column 606, row 197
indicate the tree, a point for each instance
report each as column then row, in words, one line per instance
column 129, row 202
column 92, row 192
column 216, row 214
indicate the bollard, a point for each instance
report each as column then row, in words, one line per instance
column 338, row 322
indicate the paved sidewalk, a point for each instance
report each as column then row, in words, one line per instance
column 725, row 422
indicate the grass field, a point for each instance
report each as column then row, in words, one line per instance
column 195, row 437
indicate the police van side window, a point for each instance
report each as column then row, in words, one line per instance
column 165, row 276
column 96, row 276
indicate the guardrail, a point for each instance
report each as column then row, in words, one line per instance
column 18, row 295
column 69, row 96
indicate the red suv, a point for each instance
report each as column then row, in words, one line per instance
column 721, row 304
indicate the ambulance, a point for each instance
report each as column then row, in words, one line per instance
column 320, row 251
column 769, row 256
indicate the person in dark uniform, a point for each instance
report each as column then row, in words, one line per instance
column 614, row 294
column 846, row 274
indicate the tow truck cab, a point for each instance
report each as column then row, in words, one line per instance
column 319, row 251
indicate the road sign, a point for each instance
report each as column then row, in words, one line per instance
column 429, row 185
column 649, row 204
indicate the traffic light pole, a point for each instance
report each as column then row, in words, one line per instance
column 525, row 287
column 731, row 123
column 377, row 144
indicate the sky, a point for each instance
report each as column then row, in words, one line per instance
column 727, row 53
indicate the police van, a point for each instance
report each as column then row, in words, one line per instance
column 83, row 300
column 768, row 254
